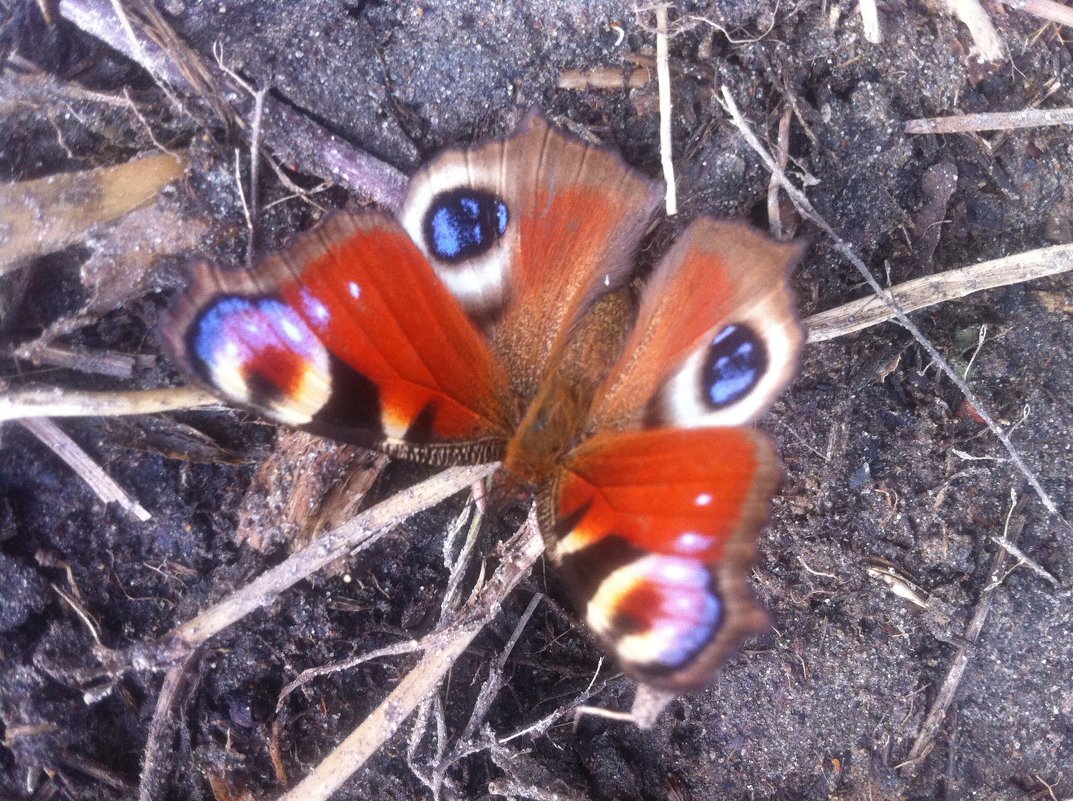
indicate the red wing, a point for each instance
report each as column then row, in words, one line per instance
column 527, row 233
column 716, row 337
column 654, row 534
column 348, row 333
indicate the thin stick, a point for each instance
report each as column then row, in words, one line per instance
column 930, row 727
column 984, row 36
column 870, row 21
column 1026, row 560
column 57, row 402
column 774, row 206
column 111, row 363
column 805, row 207
column 291, row 136
column 991, row 121
column 82, row 463
column 153, row 63
column 519, row 554
column 350, row 537
column 663, row 81
column 162, row 724
column 939, row 288
column 255, row 150
column 1044, row 9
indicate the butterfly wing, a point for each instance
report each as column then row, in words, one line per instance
column 654, row 533
column 527, row 233
column 716, row 337
column 653, row 519
column 348, row 333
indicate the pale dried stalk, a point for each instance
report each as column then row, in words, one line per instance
column 870, row 21
column 82, row 463
column 354, row 535
column 991, row 121
column 1044, row 9
column 988, row 43
column 58, row 402
column 663, row 81
column 939, row 288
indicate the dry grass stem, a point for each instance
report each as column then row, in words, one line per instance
column 1044, row 9
column 1026, row 560
column 81, row 462
column 779, row 229
column 357, row 534
column 152, row 782
column 306, row 676
column 351, row 537
column 988, row 43
column 870, row 21
column 806, row 209
column 663, row 81
column 58, row 402
column 286, row 132
column 84, row 360
column 991, row 121
column 940, row 288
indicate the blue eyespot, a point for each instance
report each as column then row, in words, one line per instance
column 735, row 363
column 464, row 223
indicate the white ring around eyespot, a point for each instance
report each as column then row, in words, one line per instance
column 480, row 284
column 682, row 398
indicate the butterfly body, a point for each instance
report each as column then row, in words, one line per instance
column 494, row 318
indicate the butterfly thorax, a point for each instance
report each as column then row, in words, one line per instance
column 555, row 420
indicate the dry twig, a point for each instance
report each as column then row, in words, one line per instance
column 58, row 402
column 779, row 230
column 988, row 43
column 870, row 21
column 82, row 463
column 519, row 553
column 939, row 288
column 663, row 81
column 1044, row 9
column 991, row 121
column 286, row 132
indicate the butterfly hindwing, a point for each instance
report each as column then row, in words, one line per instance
column 527, row 232
column 716, row 337
column 348, row 332
column 653, row 532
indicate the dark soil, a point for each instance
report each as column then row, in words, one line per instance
column 885, row 463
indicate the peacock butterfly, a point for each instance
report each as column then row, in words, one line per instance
column 495, row 318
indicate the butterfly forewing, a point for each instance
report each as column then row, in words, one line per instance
column 348, row 332
column 653, row 532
